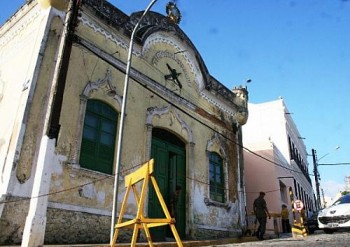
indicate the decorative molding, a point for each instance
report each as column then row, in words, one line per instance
column 217, row 140
column 88, row 22
column 218, row 104
column 161, row 38
column 101, row 84
column 108, row 12
column 166, row 54
column 104, row 84
column 135, row 74
column 16, row 29
column 157, row 111
column 152, row 22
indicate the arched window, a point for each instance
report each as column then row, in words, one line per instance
column 216, row 177
column 98, row 141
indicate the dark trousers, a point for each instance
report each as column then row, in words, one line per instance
column 285, row 225
column 262, row 226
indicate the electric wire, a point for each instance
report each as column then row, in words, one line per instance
column 184, row 112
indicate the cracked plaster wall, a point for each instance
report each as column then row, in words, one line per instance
column 76, row 190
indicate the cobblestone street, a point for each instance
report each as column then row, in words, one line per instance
column 317, row 239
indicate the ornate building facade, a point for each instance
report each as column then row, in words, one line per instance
column 60, row 112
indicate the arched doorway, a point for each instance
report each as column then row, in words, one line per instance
column 169, row 154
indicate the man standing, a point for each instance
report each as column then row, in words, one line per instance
column 173, row 201
column 285, row 219
column 261, row 213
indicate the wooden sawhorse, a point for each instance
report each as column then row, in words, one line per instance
column 144, row 173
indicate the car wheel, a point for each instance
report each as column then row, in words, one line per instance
column 329, row 231
column 311, row 231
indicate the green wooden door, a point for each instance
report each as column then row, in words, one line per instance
column 177, row 171
column 170, row 170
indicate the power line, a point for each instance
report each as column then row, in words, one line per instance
column 334, row 164
column 180, row 109
column 106, row 57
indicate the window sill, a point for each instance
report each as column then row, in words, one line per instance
column 209, row 202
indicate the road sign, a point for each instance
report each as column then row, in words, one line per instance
column 298, row 205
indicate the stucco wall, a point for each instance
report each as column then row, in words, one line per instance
column 64, row 227
column 86, row 67
column 266, row 134
column 80, row 200
column 17, row 84
column 12, row 220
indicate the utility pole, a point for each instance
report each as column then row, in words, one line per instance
column 323, row 199
column 317, row 179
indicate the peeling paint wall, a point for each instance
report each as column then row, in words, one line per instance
column 16, row 86
column 80, row 200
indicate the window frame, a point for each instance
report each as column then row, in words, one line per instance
column 95, row 153
column 217, row 191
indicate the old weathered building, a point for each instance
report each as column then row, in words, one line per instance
column 62, row 71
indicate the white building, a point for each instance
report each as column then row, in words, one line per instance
column 275, row 157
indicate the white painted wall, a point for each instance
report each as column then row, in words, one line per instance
column 266, row 134
column 19, row 54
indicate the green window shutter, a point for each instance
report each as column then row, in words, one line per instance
column 216, row 177
column 99, row 132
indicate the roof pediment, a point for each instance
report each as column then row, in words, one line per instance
column 161, row 39
column 155, row 22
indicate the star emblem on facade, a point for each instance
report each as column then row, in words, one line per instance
column 173, row 76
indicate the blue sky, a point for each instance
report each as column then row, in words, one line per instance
column 297, row 49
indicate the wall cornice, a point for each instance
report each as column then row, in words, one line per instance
column 16, row 25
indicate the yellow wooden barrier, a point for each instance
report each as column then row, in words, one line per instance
column 298, row 228
column 253, row 224
column 143, row 174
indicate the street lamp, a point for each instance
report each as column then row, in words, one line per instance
column 174, row 15
column 336, row 148
column 317, row 174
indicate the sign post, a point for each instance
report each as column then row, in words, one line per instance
column 298, row 205
column 298, row 228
